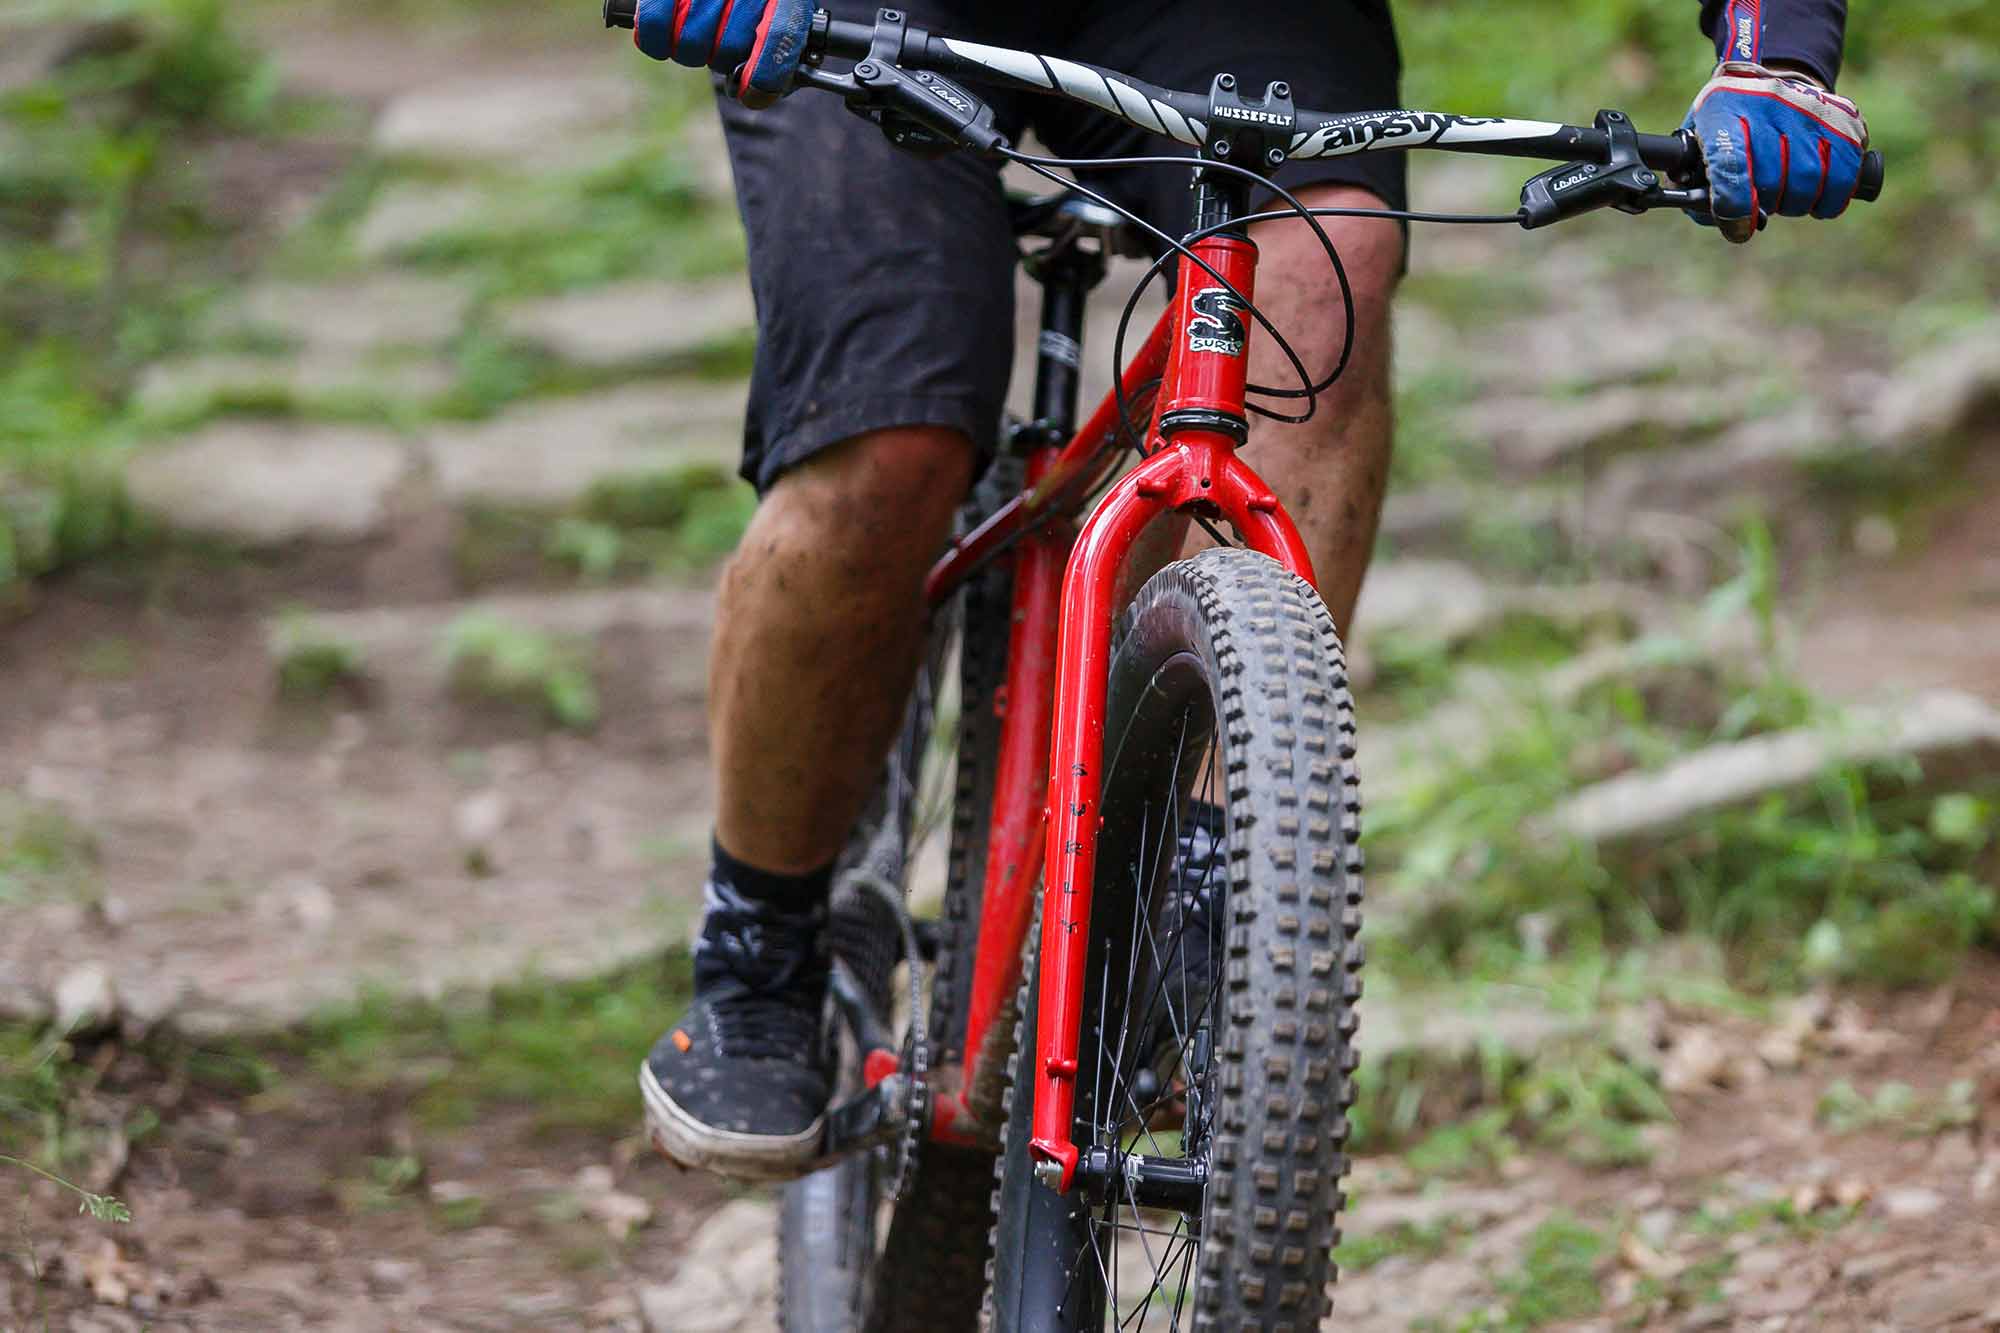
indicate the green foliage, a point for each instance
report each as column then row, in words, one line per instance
column 39, row 1080
column 591, row 549
column 42, row 852
column 490, row 658
column 686, row 516
column 312, row 660
column 1899, row 1107
column 1557, row 1279
column 565, row 1049
column 1358, row 1254
column 93, row 171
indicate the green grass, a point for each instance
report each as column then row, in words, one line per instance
column 43, row 853
column 1358, row 1254
column 1843, row 1109
column 107, row 251
column 490, row 658
column 311, row 660
column 567, row 1051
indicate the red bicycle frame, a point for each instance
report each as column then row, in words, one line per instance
column 1045, row 816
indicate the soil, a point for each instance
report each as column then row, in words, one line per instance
column 276, row 1210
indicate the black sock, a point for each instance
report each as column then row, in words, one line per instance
column 793, row 895
column 1207, row 816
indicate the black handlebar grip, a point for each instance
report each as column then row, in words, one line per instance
column 1870, row 188
column 621, row 13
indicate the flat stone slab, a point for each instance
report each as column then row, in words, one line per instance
column 1953, row 388
column 1533, row 433
column 484, row 119
column 405, row 216
column 401, row 646
column 635, row 323
column 194, row 384
column 269, row 483
column 551, row 453
column 1950, row 736
column 380, row 310
column 1453, row 1030
column 1449, row 602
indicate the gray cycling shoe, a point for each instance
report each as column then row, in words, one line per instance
column 740, row 1085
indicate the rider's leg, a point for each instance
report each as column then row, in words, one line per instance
column 884, row 291
column 818, row 629
column 1331, row 471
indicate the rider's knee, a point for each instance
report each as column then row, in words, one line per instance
column 899, row 485
column 1371, row 249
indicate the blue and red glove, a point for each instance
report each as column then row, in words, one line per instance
column 1775, row 143
column 754, row 44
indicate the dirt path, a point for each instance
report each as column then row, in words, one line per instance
column 314, row 1204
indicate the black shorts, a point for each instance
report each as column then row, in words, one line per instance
column 884, row 283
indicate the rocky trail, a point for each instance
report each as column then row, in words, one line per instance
column 202, row 856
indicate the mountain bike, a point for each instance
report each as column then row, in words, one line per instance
column 1140, row 1021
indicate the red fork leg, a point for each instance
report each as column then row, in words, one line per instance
column 1083, row 657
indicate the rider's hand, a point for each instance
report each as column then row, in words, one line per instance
column 754, row 44
column 1775, row 142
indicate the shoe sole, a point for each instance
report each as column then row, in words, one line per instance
column 688, row 1142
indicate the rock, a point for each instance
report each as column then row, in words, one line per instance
column 1697, row 1062
column 1943, row 393
column 1533, row 433
column 392, row 1274
column 269, row 483
column 1950, row 735
column 698, row 1300
column 636, row 323
column 195, row 385
column 480, row 817
column 1941, row 1297
column 602, row 1201
column 31, row 51
column 305, row 904
column 380, row 310
column 85, row 998
column 514, row 120
column 1445, row 599
column 1911, row 1202
column 405, row 216
column 1873, row 1264
column 550, row 454
column 1455, row 1030
column 725, row 1276
column 1374, row 1214
column 1446, row 602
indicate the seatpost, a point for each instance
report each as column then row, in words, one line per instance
column 1066, row 275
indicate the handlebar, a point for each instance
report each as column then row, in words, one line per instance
column 1609, row 158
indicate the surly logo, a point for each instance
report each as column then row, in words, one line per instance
column 1217, row 325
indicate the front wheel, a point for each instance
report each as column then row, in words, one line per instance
column 1224, row 965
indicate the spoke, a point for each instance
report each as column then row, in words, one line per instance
column 1159, row 1269
column 1192, row 1248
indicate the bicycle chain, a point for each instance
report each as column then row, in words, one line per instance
column 915, row 1064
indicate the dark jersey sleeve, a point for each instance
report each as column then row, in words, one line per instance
column 1808, row 33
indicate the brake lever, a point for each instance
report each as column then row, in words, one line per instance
column 1623, row 181
column 921, row 112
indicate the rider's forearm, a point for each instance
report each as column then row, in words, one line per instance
column 1804, row 34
